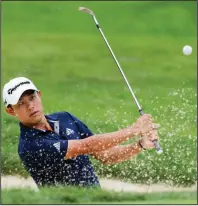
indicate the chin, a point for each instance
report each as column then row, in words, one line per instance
column 36, row 119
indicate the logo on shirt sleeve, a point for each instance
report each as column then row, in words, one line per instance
column 57, row 146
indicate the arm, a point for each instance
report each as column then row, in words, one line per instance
column 125, row 152
column 100, row 142
column 118, row 154
column 54, row 150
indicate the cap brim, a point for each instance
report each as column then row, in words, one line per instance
column 20, row 91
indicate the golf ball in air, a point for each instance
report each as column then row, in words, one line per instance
column 187, row 50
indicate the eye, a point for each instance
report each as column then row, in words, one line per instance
column 32, row 97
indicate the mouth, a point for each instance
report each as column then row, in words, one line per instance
column 34, row 113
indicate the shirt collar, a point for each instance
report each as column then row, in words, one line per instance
column 29, row 132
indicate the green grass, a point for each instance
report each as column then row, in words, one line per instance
column 61, row 50
column 94, row 196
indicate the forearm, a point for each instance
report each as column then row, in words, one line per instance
column 102, row 142
column 119, row 153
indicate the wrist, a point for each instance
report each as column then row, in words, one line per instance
column 135, row 130
column 140, row 145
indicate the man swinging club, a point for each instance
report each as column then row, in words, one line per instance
column 55, row 148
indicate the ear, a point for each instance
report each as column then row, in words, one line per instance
column 39, row 93
column 10, row 111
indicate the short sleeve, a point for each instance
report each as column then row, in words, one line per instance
column 50, row 149
column 83, row 129
column 56, row 147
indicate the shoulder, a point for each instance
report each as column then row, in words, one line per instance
column 62, row 117
column 29, row 145
column 58, row 115
column 26, row 147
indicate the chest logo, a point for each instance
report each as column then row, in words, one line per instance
column 69, row 131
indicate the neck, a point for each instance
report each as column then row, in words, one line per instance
column 42, row 125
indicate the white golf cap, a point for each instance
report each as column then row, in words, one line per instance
column 13, row 89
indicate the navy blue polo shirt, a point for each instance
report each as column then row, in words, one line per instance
column 42, row 153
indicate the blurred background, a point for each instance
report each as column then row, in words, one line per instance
column 63, row 53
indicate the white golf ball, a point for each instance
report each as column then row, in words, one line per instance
column 187, row 50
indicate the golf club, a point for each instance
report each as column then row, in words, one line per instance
column 83, row 9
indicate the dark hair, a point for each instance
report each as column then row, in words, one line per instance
column 28, row 92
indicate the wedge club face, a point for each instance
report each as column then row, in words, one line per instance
column 86, row 10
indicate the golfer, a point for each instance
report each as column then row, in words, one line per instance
column 55, row 148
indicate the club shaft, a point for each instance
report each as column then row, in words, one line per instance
column 155, row 142
column 134, row 97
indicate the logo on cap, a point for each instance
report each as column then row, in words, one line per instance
column 16, row 86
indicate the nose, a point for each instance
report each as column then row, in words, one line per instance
column 30, row 106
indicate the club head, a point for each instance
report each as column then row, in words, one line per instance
column 86, row 10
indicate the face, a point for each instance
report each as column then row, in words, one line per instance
column 29, row 109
